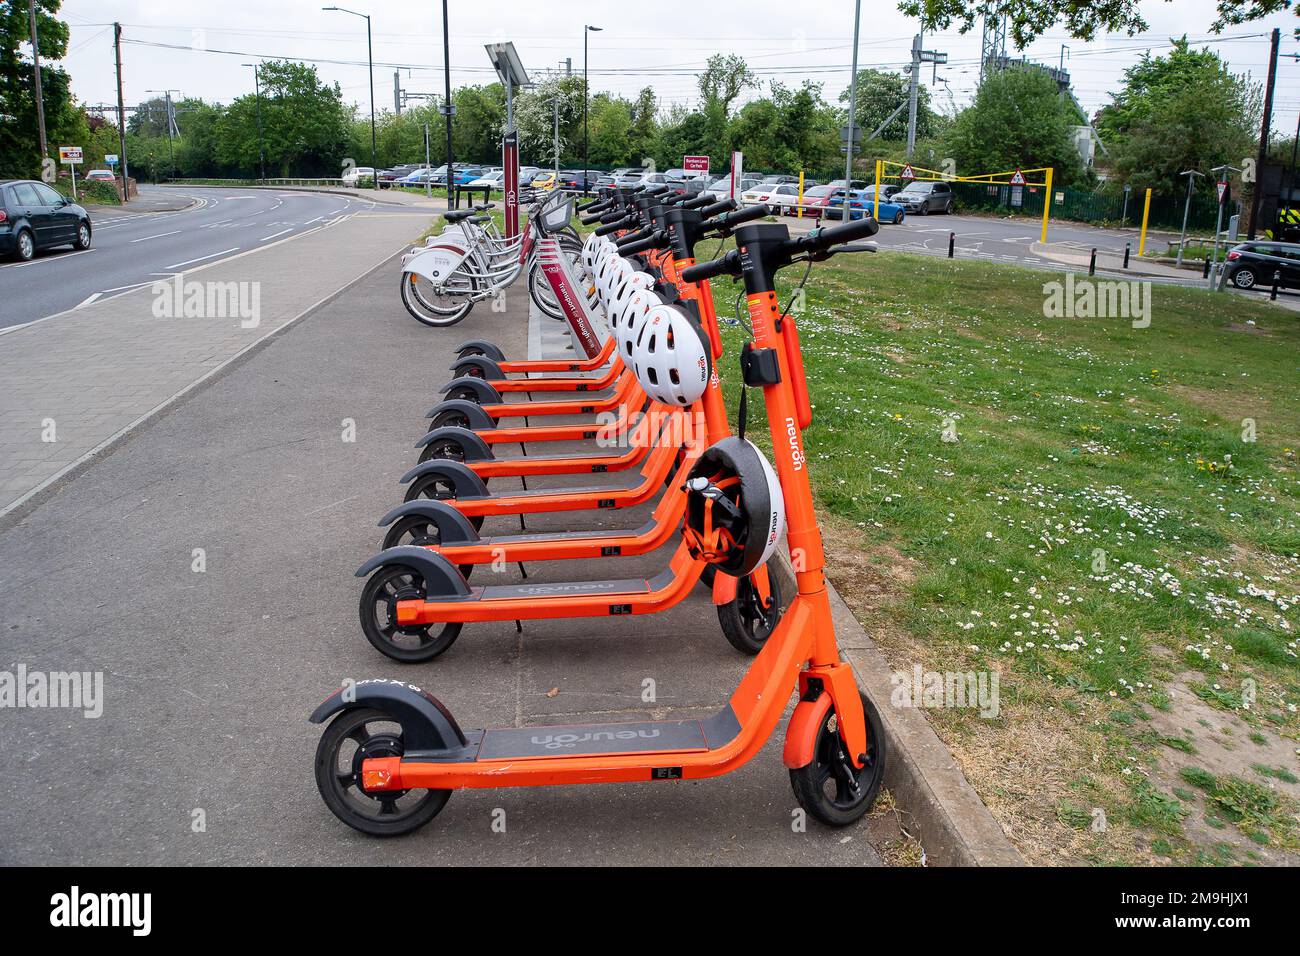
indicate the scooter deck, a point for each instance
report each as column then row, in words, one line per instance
column 573, row 740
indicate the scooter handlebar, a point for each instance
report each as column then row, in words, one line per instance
column 642, row 241
column 819, row 240
column 723, row 265
column 621, row 223
column 696, row 202
column 718, row 208
column 725, row 224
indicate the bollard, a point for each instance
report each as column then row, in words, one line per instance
column 1205, row 273
column 1126, row 249
column 952, row 240
column 1092, row 263
column 1277, row 278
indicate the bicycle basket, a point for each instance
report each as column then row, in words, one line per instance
column 558, row 216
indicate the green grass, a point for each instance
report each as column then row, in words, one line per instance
column 1100, row 522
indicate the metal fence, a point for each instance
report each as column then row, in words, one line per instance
column 1101, row 207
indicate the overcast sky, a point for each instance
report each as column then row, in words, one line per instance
column 198, row 48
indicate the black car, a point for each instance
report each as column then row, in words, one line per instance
column 925, row 198
column 1251, row 265
column 33, row 216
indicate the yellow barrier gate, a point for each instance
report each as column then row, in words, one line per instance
column 908, row 172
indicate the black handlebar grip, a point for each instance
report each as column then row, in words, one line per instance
column 634, row 237
column 837, row 235
column 708, row 270
column 654, row 190
column 718, row 208
column 588, row 220
column 733, row 219
column 614, row 226
column 587, row 206
column 613, row 216
column 703, row 199
column 643, row 243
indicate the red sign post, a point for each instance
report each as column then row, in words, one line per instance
column 510, row 159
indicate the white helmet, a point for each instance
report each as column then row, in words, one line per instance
column 670, row 356
column 630, row 317
column 600, row 250
column 609, row 274
column 735, row 511
column 590, row 249
column 630, row 282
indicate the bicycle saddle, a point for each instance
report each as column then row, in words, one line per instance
column 458, row 215
column 484, row 207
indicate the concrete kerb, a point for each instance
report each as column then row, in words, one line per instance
column 369, row 195
column 950, row 820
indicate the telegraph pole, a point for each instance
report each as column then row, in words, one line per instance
column 448, row 107
column 36, row 64
column 913, row 94
column 121, row 113
column 1264, row 129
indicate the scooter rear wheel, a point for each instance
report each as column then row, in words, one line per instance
column 449, row 419
column 352, row 737
column 420, row 532
column 408, row 644
column 746, row 621
column 448, row 449
column 439, row 489
column 830, row 787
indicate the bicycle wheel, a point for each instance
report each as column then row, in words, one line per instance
column 439, row 308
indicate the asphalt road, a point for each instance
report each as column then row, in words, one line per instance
column 130, row 249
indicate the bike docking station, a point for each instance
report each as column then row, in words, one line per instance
column 572, row 295
column 510, row 70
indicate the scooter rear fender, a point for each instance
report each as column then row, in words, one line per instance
column 442, row 579
column 464, row 481
column 478, row 366
column 484, row 393
column 475, row 448
column 478, row 418
column 427, row 725
column 482, row 345
column 453, row 527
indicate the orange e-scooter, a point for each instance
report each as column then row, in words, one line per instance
column 393, row 753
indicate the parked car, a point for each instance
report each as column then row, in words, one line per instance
column 573, row 179
column 780, row 178
column 722, row 185
column 925, row 197
column 631, row 178
column 1250, row 265
column 862, row 203
column 419, row 178
column 544, row 180
column 100, row 176
column 815, row 200
column 355, row 174
column 527, row 174
column 33, row 216
column 783, row 197
column 860, row 184
column 492, row 180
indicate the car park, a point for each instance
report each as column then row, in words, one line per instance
column 1252, row 265
column 33, row 217
column 784, row 197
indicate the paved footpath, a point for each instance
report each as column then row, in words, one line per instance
column 203, row 753
column 75, row 382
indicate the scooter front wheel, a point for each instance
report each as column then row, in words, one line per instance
column 439, row 489
column 747, row 620
column 831, row 788
column 352, row 737
column 407, row 644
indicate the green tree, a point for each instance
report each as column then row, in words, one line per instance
column 645, row 127
column 725, row 77
column 1181, row 111
column 610, row 120
column 880, row 92
column 305, row 125
column 65, row 124
column 1028, row 19
column 1018, row 119
column 535, row 120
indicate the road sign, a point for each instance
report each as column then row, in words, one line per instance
column 907, row 173
column 111, row 159
column 1223, row 190
column 70, row 154
column 695, row 164
column 1017, row 178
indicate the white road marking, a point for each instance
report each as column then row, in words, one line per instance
column 36, row 262
column 161, row 235
column 276, row 235
column 87, row 300
column 189, row 262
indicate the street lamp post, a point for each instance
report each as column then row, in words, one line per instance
column 585, row 162
column 261, row 146
column 370, row 61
